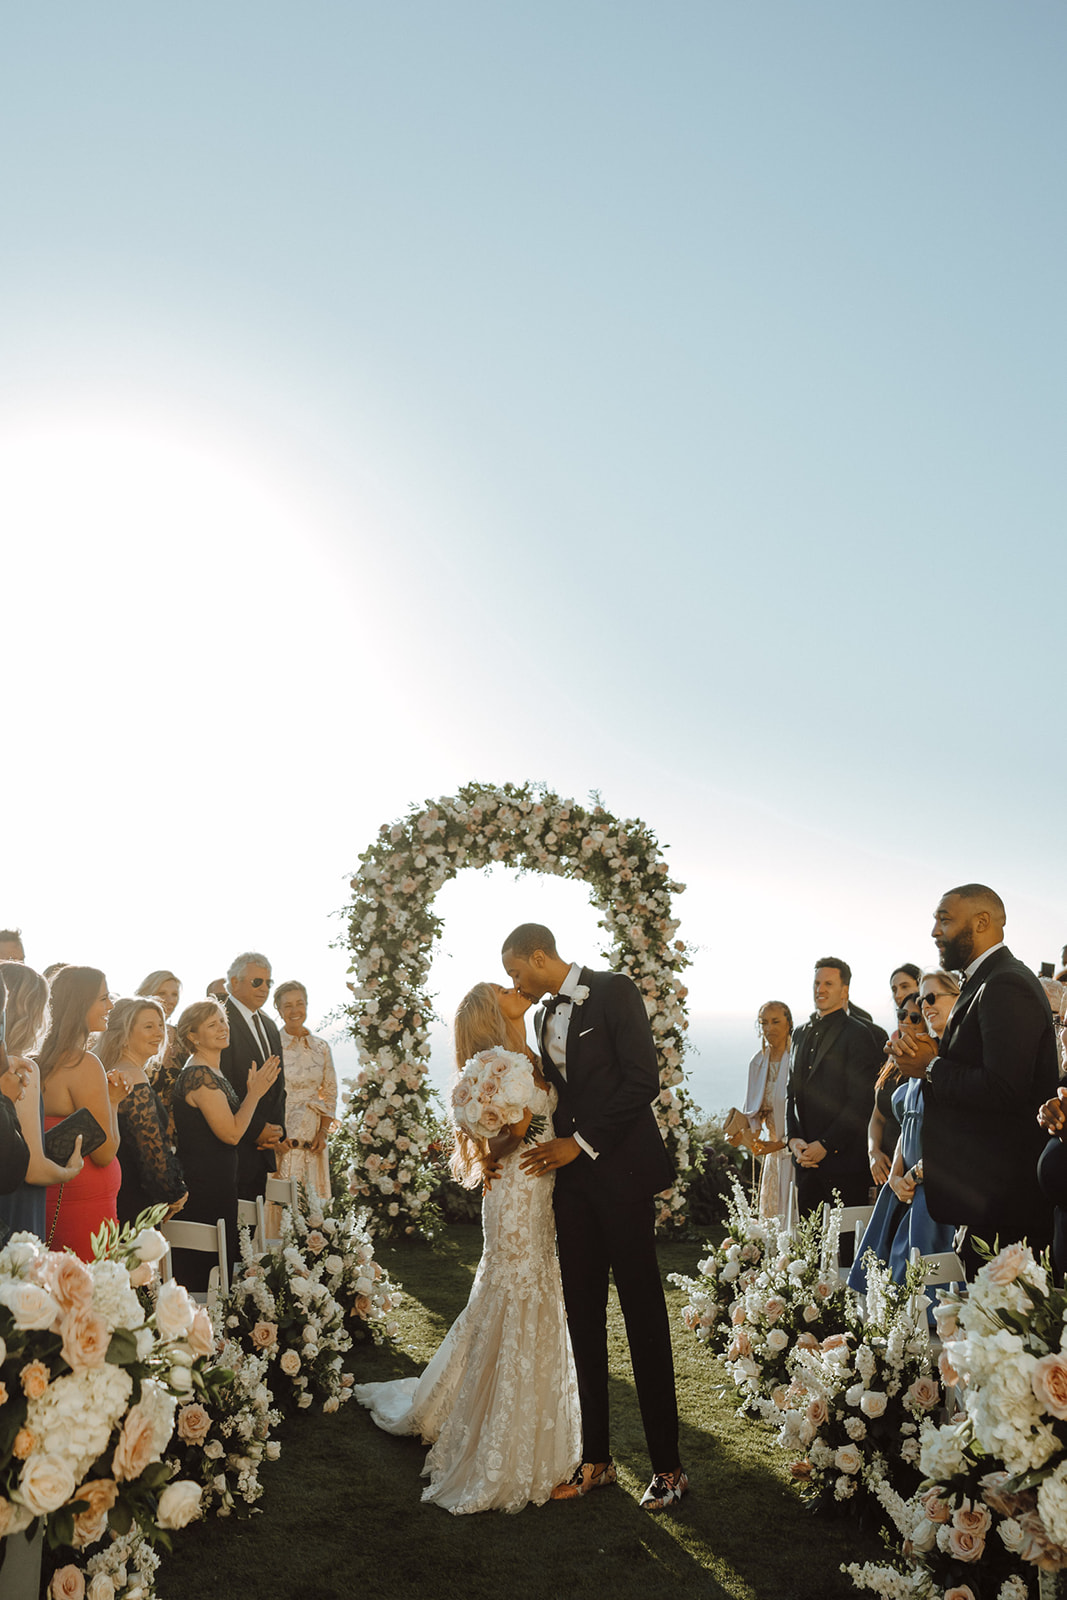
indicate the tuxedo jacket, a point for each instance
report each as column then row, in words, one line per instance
column 612, row 1079
column 996, row 1064
column 830, row 1099
column 253, row 1166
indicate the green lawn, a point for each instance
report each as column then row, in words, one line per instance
column 341, row 1514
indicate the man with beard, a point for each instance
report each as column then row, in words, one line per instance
column 985, row 1082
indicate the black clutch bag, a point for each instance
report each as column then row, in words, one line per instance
column 59, row 1141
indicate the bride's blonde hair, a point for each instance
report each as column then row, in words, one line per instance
column 479, row 1025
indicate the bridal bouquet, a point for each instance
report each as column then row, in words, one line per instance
column 493, row 1092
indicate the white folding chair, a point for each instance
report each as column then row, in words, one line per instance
column 854, row 1220
column 249, row 1215
column 206, row 1237
column 277, row 1192
column 943, row 1267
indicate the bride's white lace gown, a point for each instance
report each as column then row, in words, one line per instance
column 499, row 1400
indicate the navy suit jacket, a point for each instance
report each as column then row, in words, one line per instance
column 612, row 1079
column 996, row 1065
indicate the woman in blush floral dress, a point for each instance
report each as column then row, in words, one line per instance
column 310, row 1093
column 499, row 1400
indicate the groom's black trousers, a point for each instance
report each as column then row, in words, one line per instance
column 597, row 1232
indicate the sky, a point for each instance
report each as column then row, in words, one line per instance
column 659, row 400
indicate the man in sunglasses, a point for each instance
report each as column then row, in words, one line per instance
column 985, row 1081
column 254, row 1038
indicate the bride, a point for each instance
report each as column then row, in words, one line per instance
column 499, row 1400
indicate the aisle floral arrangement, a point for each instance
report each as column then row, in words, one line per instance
column 335, row 1237
column 392, row 932
column 763, row 1294
column 279, row 1308
column 991, row 1514
column 89, row 1385
column 854, row 1409
column 221, row 1441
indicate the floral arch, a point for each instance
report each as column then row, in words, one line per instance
column 390, row 1126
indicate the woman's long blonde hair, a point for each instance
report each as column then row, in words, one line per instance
column 479, row 1025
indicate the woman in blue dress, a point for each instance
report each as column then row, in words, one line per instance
column 901, row 1221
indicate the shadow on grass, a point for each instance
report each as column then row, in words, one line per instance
column 342, row 1514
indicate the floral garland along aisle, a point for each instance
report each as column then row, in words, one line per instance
column 392, row 930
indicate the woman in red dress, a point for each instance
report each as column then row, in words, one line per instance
column 72, row 1077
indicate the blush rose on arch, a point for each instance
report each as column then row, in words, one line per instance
column 392, row 930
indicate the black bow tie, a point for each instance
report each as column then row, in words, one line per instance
column 556, row 1001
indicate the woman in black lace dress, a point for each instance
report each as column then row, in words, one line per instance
column 210, row 1119
column 136, row 1032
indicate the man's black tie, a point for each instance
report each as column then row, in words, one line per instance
column 556, row 1001
column 261, row 1033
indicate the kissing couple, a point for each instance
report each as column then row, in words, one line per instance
column 515, row 1401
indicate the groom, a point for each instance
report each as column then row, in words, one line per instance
column 597, row 1049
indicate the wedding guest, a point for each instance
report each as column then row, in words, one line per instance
column 23, row 1210
column 833, row 1068
column 14, row 1151
column 57, row 966
column 310, row 1093
column 254, row 1039
column 211, row 1119
column 165, row 987
column 883, row 1130
column 984, row 1083
column 11, row 945
column 901, row 1220
column 216, row 990
column 768, row 1075
column 71, row 1079
column 133, row 1040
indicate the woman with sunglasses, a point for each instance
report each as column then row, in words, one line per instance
column 901, row 1221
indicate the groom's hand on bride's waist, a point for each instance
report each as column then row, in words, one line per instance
column 550, row 1155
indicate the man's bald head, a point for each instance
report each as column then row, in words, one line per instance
column 969, row 921
column 980, row 897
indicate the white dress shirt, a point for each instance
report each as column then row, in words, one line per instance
column 255, row 1024
column 969, row 972
column 554, row 1037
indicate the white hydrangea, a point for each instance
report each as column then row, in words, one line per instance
column 113, row 1299
column 76, row 1414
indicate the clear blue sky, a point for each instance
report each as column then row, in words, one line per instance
column 667, row 399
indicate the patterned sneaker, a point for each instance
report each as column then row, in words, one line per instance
column 586, row 1478
column 665, row 1489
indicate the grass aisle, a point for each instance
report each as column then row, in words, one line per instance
column 341, row 1514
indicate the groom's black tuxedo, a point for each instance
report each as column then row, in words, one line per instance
column 612, row 1079
column 605, row 1217
column 254, row 1166
column 996, row 1064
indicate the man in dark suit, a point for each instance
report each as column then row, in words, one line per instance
column 995, row 1066
column 835, row 1061
column 254, row 1039
column 609, row 1159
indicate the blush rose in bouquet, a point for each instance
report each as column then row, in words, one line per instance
column 493, row 1092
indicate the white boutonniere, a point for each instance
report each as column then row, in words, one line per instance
column 580, row 995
